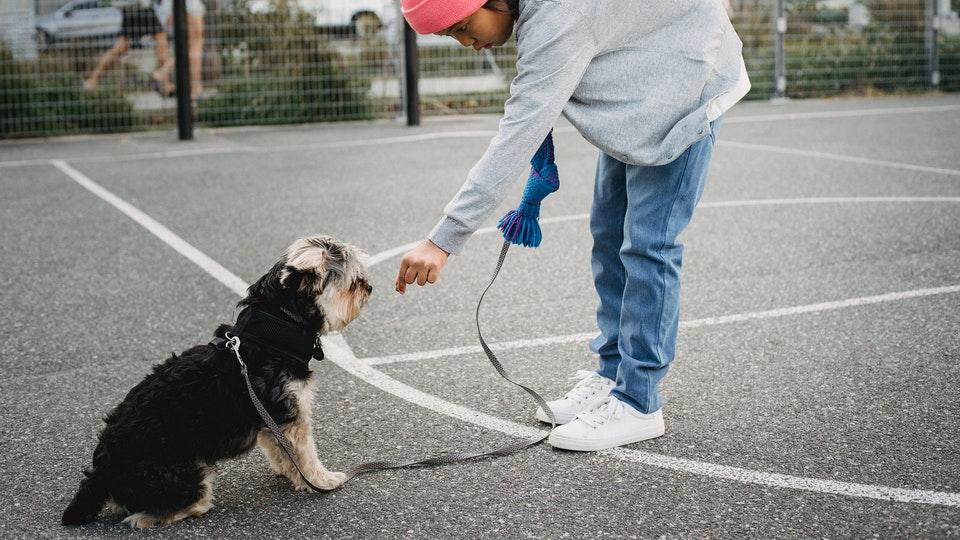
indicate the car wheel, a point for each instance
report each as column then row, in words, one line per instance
column 42, row 39
column 366, row 24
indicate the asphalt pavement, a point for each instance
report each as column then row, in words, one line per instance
column 815, row 393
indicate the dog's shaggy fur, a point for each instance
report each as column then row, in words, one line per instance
column 155, row 458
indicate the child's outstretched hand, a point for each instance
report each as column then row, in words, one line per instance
column 421, row 264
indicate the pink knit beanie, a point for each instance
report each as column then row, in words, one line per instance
column 432, row 16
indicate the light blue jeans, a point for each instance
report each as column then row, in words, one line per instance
column 636, row 216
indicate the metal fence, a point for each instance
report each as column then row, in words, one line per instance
column 83, row 66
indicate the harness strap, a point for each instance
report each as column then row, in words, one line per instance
column 282, row 333
column 453, row 457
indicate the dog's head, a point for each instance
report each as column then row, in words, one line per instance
column 320, row 278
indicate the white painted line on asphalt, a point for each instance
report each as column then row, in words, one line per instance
column 340, row 353
column 138, row 156
column 243, row 149
column 336, row 349
column 813, row 115
column 475, row 349
column 800, row 115
column 696, row 323
column 433, row 136
column 823, row 306
column 490, row 133
column 400, row 250
column 25, row 162
column 509, row 345
column 208, row 265
column 837, row 157
column 391, row 253
column 825, row 200
column 849, row 489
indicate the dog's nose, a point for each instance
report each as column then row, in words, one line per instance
column 369, row 289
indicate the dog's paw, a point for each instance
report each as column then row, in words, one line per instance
column 336, row 479
column 141, row 520
column 329, row 480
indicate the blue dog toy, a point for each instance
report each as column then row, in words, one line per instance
column 520, row 226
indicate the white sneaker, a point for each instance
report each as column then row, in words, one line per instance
column 591, row 390
column 612, row 423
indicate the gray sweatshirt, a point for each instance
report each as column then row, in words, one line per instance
column 641, row 80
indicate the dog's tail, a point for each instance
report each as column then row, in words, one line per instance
column 88, row 501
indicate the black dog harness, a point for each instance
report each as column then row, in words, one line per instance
column 286, row 334
column 277, row 329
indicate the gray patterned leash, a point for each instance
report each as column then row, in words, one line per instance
column 233, row 343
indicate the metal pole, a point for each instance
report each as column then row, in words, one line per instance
column 779, row 56
column 182, row 64
column 411, row 75
column 931, row 39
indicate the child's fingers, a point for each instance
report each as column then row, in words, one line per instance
column 410, row 275
column 433, row 276
column 401, row 285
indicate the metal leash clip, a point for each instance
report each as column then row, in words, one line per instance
column 233, row 343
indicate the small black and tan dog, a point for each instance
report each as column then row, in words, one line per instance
column 155, row 458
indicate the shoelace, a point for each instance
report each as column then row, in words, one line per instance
column 609, row 409
column 590, row 383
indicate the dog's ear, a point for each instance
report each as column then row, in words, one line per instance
column 292, row 277
column 305, row 265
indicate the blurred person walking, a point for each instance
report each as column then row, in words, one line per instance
column 195, row 12
column 139, row 19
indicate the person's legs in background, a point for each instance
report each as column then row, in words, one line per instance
column 195, row 13
column 111, row 55
column 161, row 49
column 195, row 37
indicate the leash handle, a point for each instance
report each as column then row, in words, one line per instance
column 233, row 343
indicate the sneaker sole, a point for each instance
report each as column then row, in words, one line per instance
column 582, row 445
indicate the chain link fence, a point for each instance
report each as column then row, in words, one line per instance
column 86, row 66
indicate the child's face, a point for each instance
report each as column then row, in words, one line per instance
column 485, row 28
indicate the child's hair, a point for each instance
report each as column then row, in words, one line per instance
column 505, row 6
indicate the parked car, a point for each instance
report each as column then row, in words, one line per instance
column 84, row 21
column 362, row 17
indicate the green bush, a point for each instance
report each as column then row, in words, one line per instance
column 950, row 64
column 36, row 100
column 854, row 63
column 279, row 69
column 825, row 57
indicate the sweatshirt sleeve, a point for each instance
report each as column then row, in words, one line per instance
column 554, row 45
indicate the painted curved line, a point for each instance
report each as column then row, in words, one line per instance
column 838, row 157
column 339, row 352
column 695, row 323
